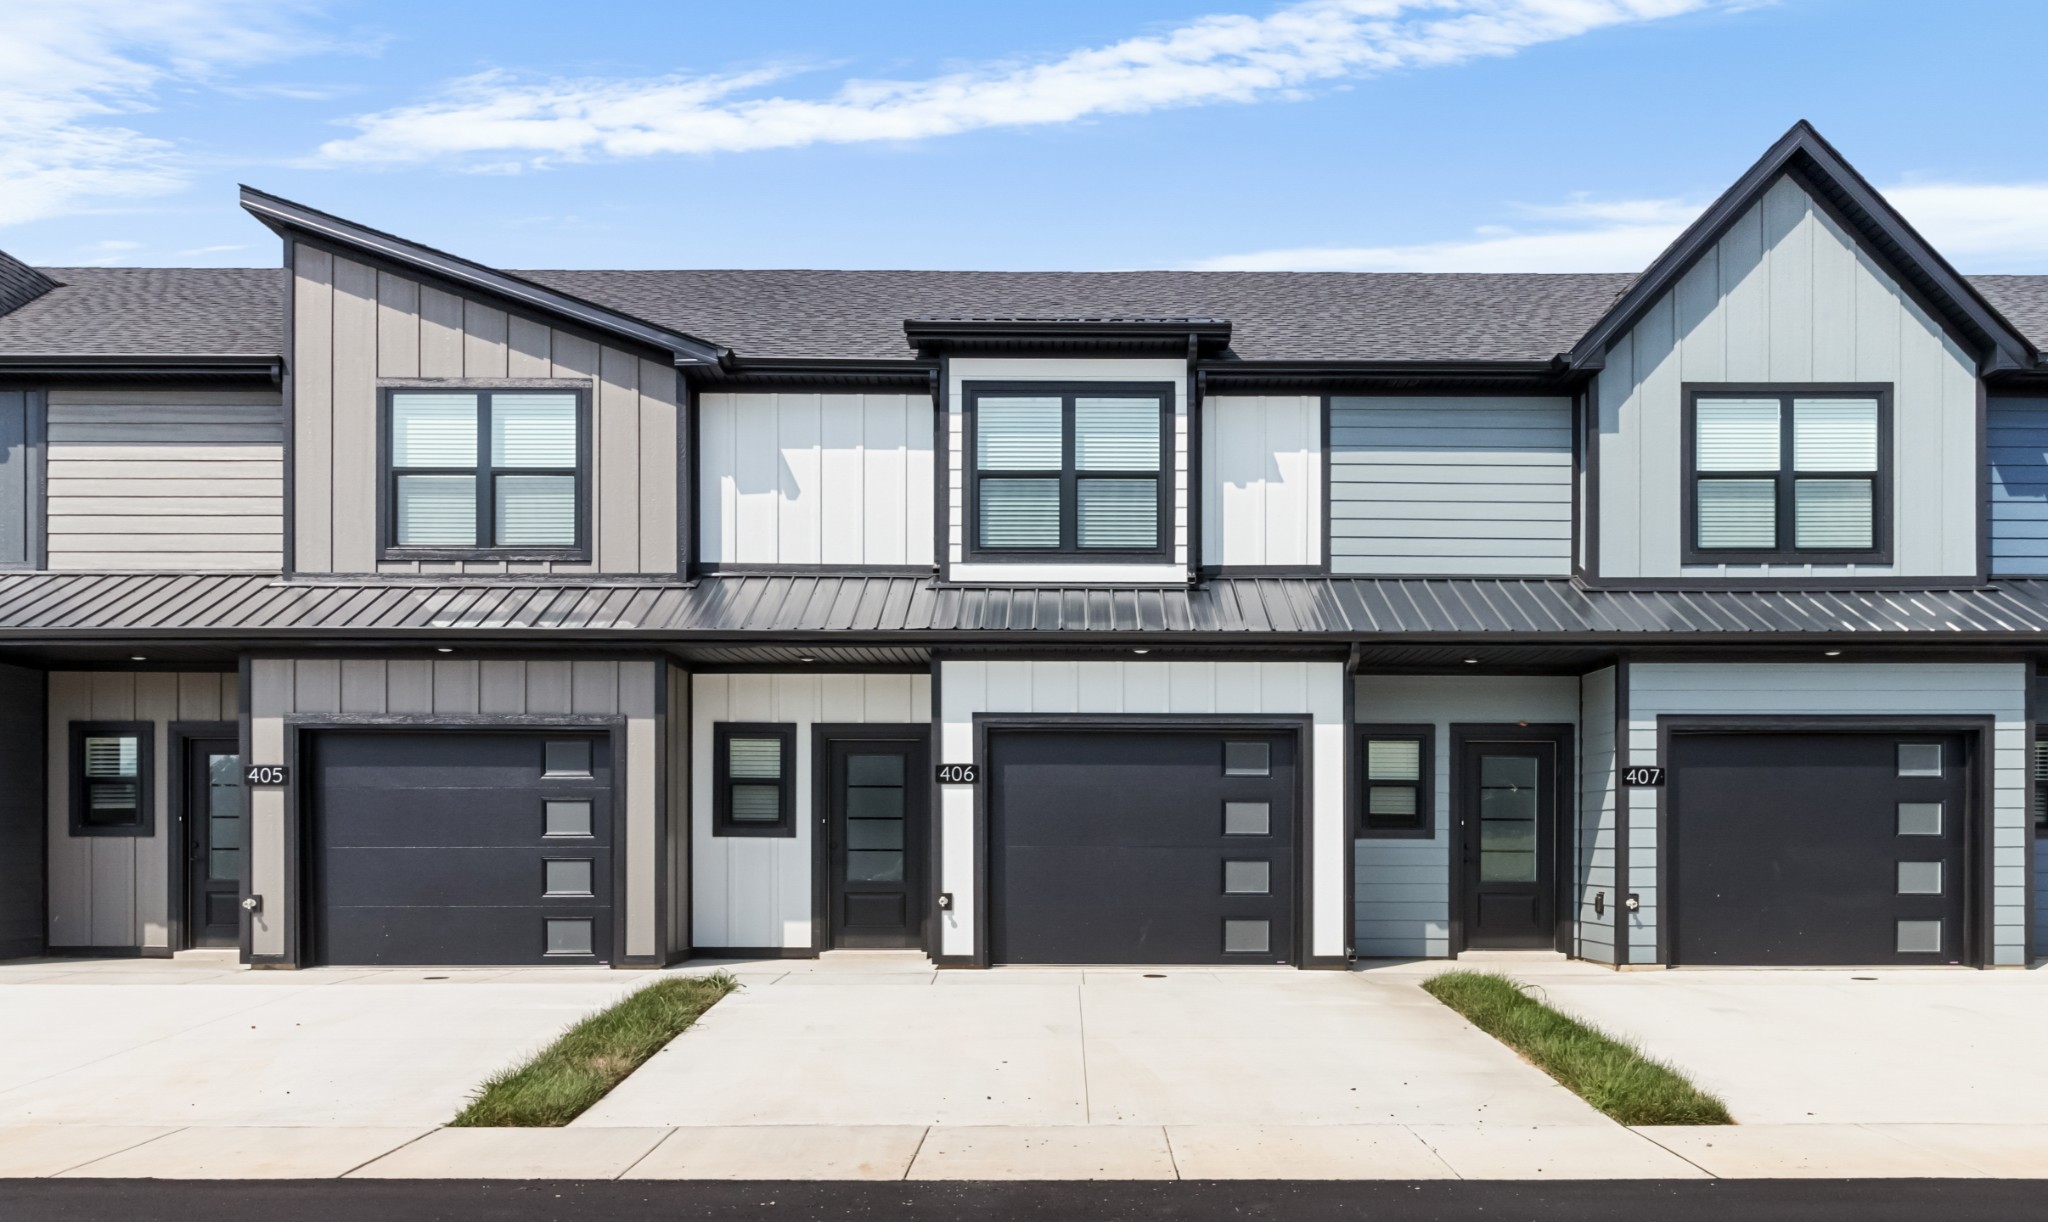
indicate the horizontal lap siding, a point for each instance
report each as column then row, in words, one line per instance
column 1263, row 460
column 1786, row 296
column 168, row 479
column 1439, row 484
column 1402, row 890
column 1997, row 690
column 2018, row 441
column 815, row 479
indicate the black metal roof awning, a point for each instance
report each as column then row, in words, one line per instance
column 900, row 609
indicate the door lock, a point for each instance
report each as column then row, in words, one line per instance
column 945, row 901
column 253, row 904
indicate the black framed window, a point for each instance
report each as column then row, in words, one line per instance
column 1082, row 471
column 1396, row 764
column 497, row 472
column 753, row 778
column 1798, row 473
column 113, row 778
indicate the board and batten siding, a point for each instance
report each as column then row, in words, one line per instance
column 164, row 479
column 1435, row 484
column 2017, row 440
column 1403, row 888
column 754, row 892
column 357, row 329
column 22, row 415
column 463, row 693
column 1785, row 297
column 1314, row 689
column 1262, row 500
column 963, row 370
column 1899, row 689
column 1596, row 843
column 814, row 479
column 113, row 892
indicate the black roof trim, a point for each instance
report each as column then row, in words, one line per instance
column 932, row 336
column 235, row 368
column 1338, row 376
column 284, row 216
column 1817, row 166
column 786, row 374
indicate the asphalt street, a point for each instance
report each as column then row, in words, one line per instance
column 1193, row 1201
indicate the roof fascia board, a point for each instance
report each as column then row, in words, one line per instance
column 1802, row 147
column 287, row 218
column 930, row 336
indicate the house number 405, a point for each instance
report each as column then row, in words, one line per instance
column 266, row 774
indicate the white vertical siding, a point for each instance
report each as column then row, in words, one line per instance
column 1786, row 296
column 1998, row 690
column 1403, row 893
column 1031, row 369
column 1312, row 688
column 2018, row 445
column 1429, row 484
column 1262, row 502
column 1596, row 816
column 808, row 479
column 755, row 891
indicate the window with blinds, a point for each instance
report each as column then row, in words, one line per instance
column 1069, row 471
column 753, row 786
column 1793, row 475
column 486, row 470
column 110, row 778
column 1395, row 765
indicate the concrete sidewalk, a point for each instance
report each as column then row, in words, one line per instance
column 1058, row 1152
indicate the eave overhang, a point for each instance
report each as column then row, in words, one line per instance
column 1195, row 337
column 252, row 367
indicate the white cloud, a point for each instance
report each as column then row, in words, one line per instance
column 69, row 71
column 1979, row 226
column 1230, row 58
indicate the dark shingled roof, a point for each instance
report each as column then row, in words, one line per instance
column 151, row 311
column 20, row 283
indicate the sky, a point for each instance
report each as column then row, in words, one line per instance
column 1346, row 135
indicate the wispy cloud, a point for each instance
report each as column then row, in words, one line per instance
column 1978, row 226
column 71, row 71
column 1218, row 59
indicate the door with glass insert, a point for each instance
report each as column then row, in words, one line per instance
column 216, row 837
column 1507, row 804
column 875, row 821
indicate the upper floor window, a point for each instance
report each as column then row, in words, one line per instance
column 1069, row 471
column 497, row 471
column 1798, row 474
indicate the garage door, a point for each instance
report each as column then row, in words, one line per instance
column 1818, row 849
column 452, row 847
column 1141, row 847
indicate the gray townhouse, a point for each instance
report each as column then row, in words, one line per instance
column 388, row 608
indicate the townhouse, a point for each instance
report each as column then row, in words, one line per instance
column 388, row 608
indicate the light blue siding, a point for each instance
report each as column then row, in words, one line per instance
column 2018, row 444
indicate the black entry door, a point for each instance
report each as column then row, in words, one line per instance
column 875, row 817
column 1818, row 849
column 1506, row 799
column 1141, row 847
column 216, row 833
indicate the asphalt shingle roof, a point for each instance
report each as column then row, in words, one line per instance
column 151, row 311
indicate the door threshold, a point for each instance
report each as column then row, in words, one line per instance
column 224, row 956
column 1512, row 956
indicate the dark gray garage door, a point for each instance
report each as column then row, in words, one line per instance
column 1141, row 847
column 453, row 847
column 1818, row 849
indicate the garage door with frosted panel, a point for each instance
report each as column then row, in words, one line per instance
column 1141, row 847
column 453, row 847
column 1818, row 849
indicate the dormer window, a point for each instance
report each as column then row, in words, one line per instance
column 1788, row 475
column 1072, row 471
column 496, row 474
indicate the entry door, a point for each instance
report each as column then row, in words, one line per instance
column 216, row 832
column 1507, row 803
column 875, row 828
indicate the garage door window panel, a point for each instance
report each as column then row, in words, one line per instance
column 112, row 778
column 754, row 779
column 485, row 474
column 1080, row 472
column 1787, row 474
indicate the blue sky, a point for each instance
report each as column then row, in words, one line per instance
column 1490, row 135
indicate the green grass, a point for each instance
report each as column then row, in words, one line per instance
column 1612, row 1075
column 593, row 1056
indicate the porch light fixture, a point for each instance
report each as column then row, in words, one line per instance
column 136, row 657
column 807, row 658
column 1471, row 661
column 444, row 649
column 1141, row 651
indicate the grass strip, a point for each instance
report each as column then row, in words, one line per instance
column 1612, row 1075
column 590, row 1058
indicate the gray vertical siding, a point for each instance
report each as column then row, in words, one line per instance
column 677, row 796
column 113, row 892
column 2018, row 444
column 1787, row 297
column 357, row 328
column 20, row 424
column 1431, row 484
column 165, row 479
column 24, row 830
column 479, row 691
column 1402, row 894
column 1997, row 689
column 1596, row 842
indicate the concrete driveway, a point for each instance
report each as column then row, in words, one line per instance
column 887, row 1041
column 1916, row 1046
